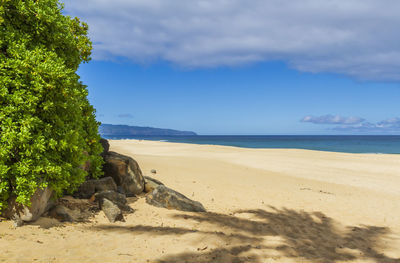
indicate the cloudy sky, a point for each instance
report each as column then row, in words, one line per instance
column 245, row 67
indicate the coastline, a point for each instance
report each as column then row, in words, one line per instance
column 263, row 205
column 244, row 147
column 368, row 144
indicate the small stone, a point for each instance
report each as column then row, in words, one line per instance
column 153, row 171
column 112, row 211
column 115, row 197
column 17, row 221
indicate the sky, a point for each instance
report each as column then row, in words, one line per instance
column 245, row 67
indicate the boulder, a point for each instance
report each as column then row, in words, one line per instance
column 106, row 146
column 104, row 184
column 150, row 184
column 115, row 197
column 21, row 213
column 86, row 189
column 62, row 213
column 125, row 171
column 120, row 189
column 153, row 171
column 90, row 187
column 111, row 210
column 69, row 209
column 78, row 204
column 164, row 197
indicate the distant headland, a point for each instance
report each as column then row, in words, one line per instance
column 126, row 130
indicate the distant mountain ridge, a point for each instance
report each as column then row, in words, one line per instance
column 126, row 130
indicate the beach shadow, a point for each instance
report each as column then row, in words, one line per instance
column 226, row 254
column 46, row 223
column 161, row 231
column 313, row 237
column 229, row 254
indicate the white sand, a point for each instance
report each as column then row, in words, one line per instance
column 265, row 205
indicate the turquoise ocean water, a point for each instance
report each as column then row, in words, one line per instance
column 337, row 143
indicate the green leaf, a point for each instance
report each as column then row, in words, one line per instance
column 47, row 126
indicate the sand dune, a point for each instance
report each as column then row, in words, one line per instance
column 264, row 205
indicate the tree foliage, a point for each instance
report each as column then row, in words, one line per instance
column 48, row 129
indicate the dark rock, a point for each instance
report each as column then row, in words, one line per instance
column 62, row 214
column 88, row 188
column 78, row 204
column 120, row 190
column 115, row 197
column 164, row 197
column 74, row 210
column 125, row 171
column 153, row 171
column 21, row 213
column 72, row 213
column 104, row 184
column 106, row 146
column 111, row 210
column 150, row 184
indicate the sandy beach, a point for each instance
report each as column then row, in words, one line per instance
column 263, row 205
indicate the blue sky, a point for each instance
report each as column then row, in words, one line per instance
column 218, row 67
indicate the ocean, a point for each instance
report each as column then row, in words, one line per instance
column 389, row 144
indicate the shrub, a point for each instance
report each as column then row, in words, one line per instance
column 48, row 129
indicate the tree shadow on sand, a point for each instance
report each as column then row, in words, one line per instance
column 313, row 237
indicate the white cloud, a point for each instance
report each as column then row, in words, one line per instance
column 370, row 127
column 354, row 37
column 355, row 124
column 393, row 123
column 332, row 119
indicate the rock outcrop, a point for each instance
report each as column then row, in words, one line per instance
column 125, row 171
column 122, row 177
column 150, row 184
column 162, row 196
column 90, row 187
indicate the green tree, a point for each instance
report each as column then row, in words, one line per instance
column 48, row 129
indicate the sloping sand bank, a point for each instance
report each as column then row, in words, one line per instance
column 265, row 205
